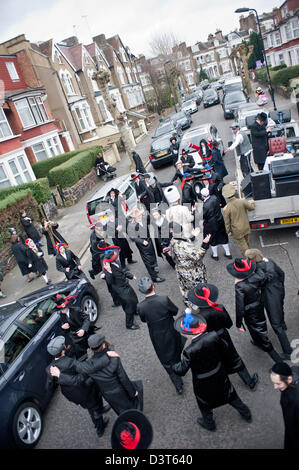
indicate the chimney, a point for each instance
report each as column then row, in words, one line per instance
column 218, row 35
column 210, row 37
column 100, row 39
column 71, row 41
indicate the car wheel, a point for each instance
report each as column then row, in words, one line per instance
column 27, row 425
column 89, row 306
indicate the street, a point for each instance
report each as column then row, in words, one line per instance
column 173, row 417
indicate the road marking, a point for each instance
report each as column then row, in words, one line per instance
column 271, row 244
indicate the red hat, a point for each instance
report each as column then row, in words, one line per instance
column 131, row 430
column 241, row 268
column 62, row 300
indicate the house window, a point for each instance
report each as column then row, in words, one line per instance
column 121, row 75
column 42, row 108
column 4, row 181
column 84, row 117
column 103, row 110
column 295, row 27
column 24, row 169
column 67, row 81
column 277, row 38
column 35, row 110
column 129, row 75
column 297, row 53
column 15, row 171
column 25, row 113
column 57, row 145
column 12, row 71
column 288, row 31
column 58, row 57
column 5, row 130
column 32, row 111
column 40, row 151
column 51, row 147
column 281, row 59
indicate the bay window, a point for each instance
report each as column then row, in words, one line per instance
column 5, row 130
column 32, row 111
column 84, row 117
column 40, row 151
column 25, row 113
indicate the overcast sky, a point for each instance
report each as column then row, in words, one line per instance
column 136, row 21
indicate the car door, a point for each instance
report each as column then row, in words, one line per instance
column 218, row 139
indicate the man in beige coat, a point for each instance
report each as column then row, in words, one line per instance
column 236, row 218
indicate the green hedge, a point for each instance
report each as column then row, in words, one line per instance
column 262, row 75
column 279, row 67
column 74, row 169
column 283, row 77
column 12, row 199
column 41, row 169
column 40, row 190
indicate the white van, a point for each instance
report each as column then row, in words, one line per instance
column 232, row 84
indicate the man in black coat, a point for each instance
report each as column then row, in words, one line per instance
column 174, row 149
column 259, row 140
column 286, row 380
column 115, row 231
column 29, row 228
column 187, row 160
column 158, row 312
column 140, row 187
column 118, row 280
column 76, row 388
column 204, row 355
column 138, row 162
column 204, row 297
column 154, row 193
column 68, row 263
column 75, row 323
column 162, row 235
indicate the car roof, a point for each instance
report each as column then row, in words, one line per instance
column 197, row 130
column 249, row 106
column 233, row 80
column 235, row 92
column 168, row 135
column 114, row 183
column 187, row 102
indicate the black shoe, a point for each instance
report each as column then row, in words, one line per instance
column 132, row 261
column 48, row 282
column 255, row 344
column 133, row 327
column 91, row 274
column 228, row 256
column 159, row 279
column 254, row 381
column 203, row 424
column 285, row 356
column 101, row 431
column 105, row 409
column 115, row 305
column 215, row 258
column 179, row 390
column 247, row 418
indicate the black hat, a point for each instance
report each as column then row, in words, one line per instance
column 131, row 430
column 96, row 340
column 282, row 368
column 262, row 116
column 145, row 285
column 190, row 324
column 203, row 293
column 241, row 268
column 62, row 300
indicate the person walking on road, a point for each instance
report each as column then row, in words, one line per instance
column 204, row 356
column 21, row 253
column 158, row 312
column 217, row 161
column 174, row 149
column 177, row 213
column 76, row 388
column 286, row 380
column 250, row 304
column 68, row 263
column 138, row 162
column 274, row 294
column 36, row 257
column 236, row 218
column 259, row 138
column 243, row 146
column 203, row 297
column 30, row 230
column 162, row 235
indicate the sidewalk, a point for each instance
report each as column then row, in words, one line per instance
column 73, row 226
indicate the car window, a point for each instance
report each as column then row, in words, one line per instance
column 36, row 317
column 234, row 98
column 14, row 341
column 128, row 192
column 161, row 144
column 164, row 129
column 187, row 103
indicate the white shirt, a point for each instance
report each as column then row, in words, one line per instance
column 238, row 139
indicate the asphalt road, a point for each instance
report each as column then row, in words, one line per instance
column 173, row 417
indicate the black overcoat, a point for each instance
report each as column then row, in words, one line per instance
column 78, row 320
column 188, row 159
column 218, row 164
column 289, row 401
column 274, row 291
column 158, row 312
column 138, row 163
column 97, row 249
column 259, row 141
column 119, row 239
column 188, row 194
column 29, row 228
column 39, row 265
column 211, row 385
column 21, row 253
column 71, row 261
column 118, row 280
column 56, row 236
column 220, row 321
column 147, row 253
column 174, row 149
column 213, row 221
column 111, row 380
column 155, row 195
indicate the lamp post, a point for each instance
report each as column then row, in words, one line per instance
column 271, row 90
column 169, row 85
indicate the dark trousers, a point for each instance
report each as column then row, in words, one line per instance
column 169, row 260
column 260, row 165
column 245, row 376
column 96, row 417
column 237, row 403
column 245, row 164
column 176, row 379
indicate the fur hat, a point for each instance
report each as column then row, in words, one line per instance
column 241, row 268
column 255, row 254
column 228, row 191
column 96, row 340
column 172, row 195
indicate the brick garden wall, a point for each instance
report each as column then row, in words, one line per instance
column 74, row 193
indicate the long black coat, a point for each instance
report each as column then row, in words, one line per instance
column 218, row 164
column 118, row 280
column 211, row 385
column 39, row 265
column 147, row 253
column 119, row 239
column 21, row 253
column 189, row 159
column 188, row 194
column 111, row 380
column 213, row 221
column 259, row 141
column 78, row 320
column 220, row 321
column 289, row 401
column 158, row 312
column 274, row 291
column 155, row 195
column 97, row 249
column 139, row 186
column 178, row 175
column 174, row 149
column 71, row 261
column 75, row 387
column 29, row 228
column 138, row 163
column 57, row 238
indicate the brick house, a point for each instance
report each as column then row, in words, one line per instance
column 186, row 65
column 28, row 131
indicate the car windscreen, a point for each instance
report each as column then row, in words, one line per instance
column 209, row 93
column 178, row 116
column 234, row 98
column 194, row 140
column 187, row 103
column 160, row 144
column 163, row 129
column 232, row 86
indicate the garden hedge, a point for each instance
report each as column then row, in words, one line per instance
column 41, row 169
column 278, row 67
column 40, row 190
column 71, row 171
column 283, row 77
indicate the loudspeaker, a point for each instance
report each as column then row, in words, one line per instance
column 287, row 187
column 261, row 185
column 285, row 168
column 246, row 185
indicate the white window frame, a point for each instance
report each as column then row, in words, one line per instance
column 84, row 117
column 3, row 120
column 121, row 75
column 11, row 68
column 20, row 106
column 295, row 28
column 24, row 171
column 39, row 151
column 39, row 116
column 2, row 166
column 18, row 173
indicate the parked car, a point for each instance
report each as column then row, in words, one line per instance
column 207, row 131
column 244, row 110
column 195, row 96
column 210, row 97
column 26, row 327
column 166, row 128
column 190, row 106
column 205, row 84
column 232, row 84
column 160, row 154
column 181, row 119
column 231, row 102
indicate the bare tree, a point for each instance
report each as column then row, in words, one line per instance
column 162, row 44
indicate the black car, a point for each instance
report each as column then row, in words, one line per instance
column 160, row 152
column 231, row 102
column 166, row 128
column 181, row 119
column 26, row 327
column 210, row 97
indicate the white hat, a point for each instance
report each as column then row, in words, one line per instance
column 172, row 195
column 151, row 181
column 205, row 192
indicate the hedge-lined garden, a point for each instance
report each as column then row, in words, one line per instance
column 280, row 75
column 40, row 190
column 42, row 169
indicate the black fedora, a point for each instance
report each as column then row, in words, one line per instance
column 241, row 268
column 199, row 297
column 131, row 430
column 190, row 324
